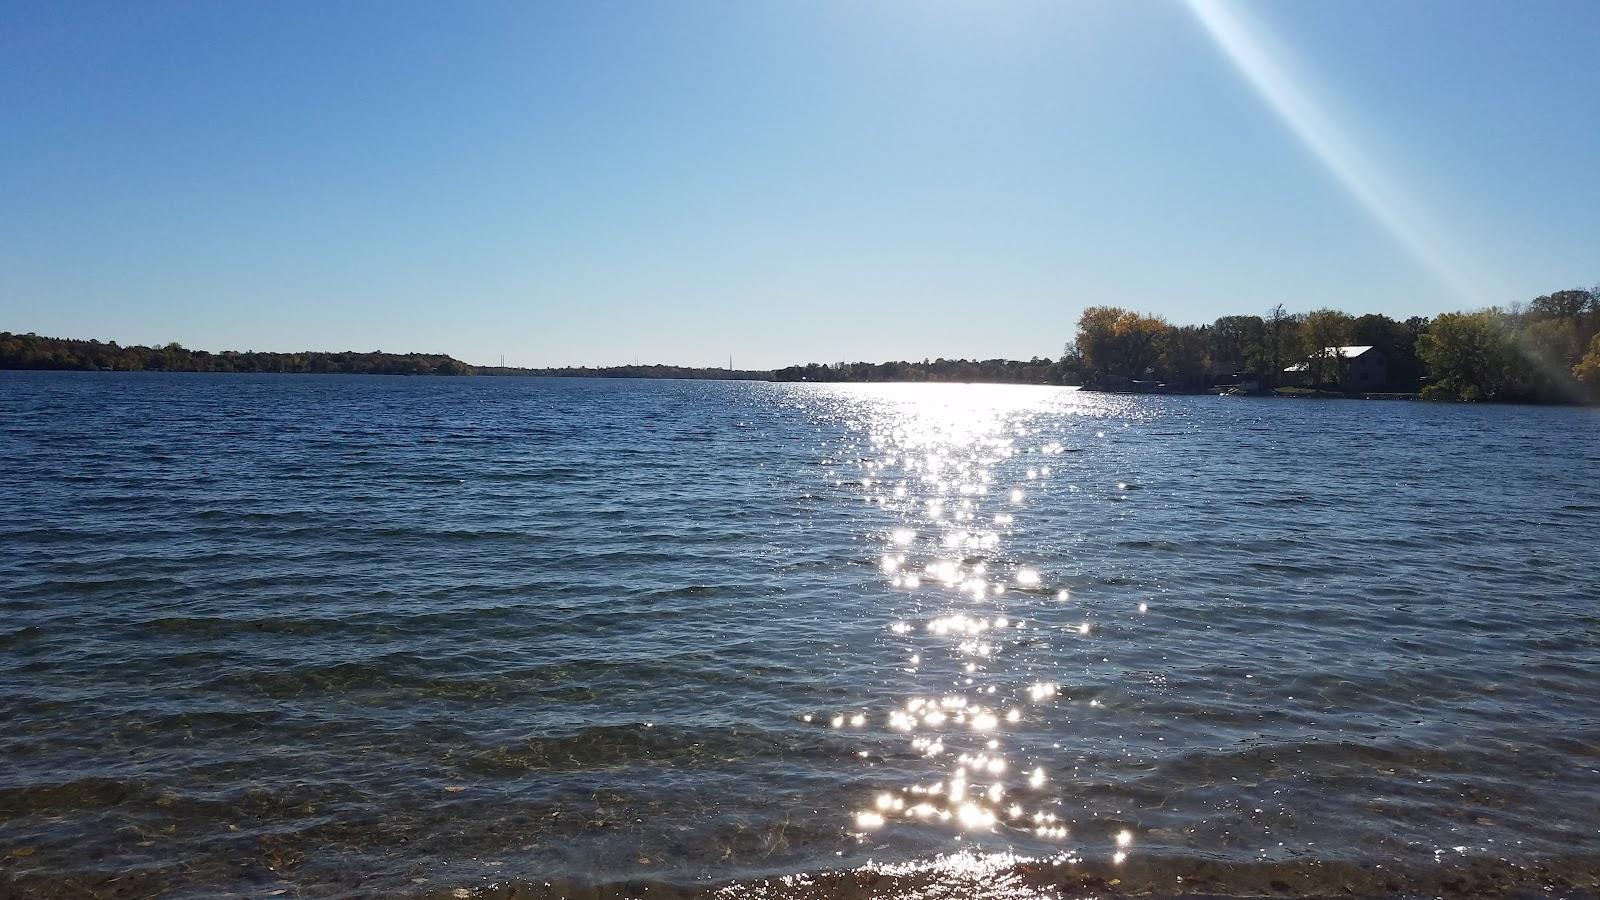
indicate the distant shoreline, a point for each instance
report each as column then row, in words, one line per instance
column 32, row 352
column 750, row 376
column 732, row 376
column 609, row 374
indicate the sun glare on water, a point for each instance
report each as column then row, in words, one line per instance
column 947, row 466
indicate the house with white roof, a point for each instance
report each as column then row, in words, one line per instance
column 1360, row 368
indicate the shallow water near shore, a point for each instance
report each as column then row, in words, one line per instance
column 340, row 636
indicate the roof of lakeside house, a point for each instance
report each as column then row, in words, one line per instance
column 1350, row 351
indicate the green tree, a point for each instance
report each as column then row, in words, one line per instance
column 1097, row 342
column 1587, row 371
column 1472, row 357
column 1185, row 357
column 1570, row 305
column 1236, row 343
column 1280, row 344
column 1324, row 332
column 1117, row 343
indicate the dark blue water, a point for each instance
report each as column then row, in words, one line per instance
column 525, row 637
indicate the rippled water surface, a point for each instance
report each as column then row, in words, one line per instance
column 353, row 636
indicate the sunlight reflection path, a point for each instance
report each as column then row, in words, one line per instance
column 962, row 467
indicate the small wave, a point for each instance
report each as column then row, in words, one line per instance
column 219, row 626
column 1150, row 545
column 607, row 746
column 10, row 640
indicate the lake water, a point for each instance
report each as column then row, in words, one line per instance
column 326, row 636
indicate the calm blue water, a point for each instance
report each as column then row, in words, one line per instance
column 354, row 636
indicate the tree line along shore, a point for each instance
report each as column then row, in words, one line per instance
column 31, row 351
column 1544, row 351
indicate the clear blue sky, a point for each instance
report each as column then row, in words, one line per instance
column 591, row 182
